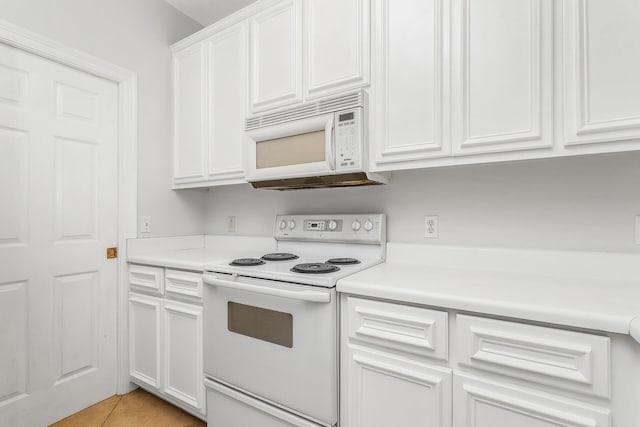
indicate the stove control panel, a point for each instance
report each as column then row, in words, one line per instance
column 331, row 225
column 356, row 228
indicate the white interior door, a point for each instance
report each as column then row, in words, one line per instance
column 58, row 205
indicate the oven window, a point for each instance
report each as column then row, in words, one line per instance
column 267, row 325
column 291, row 150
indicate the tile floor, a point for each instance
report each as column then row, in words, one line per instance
column 136, row 409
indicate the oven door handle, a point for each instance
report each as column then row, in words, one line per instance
column 308, row 296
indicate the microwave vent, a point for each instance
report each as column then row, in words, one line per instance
column 324, row 106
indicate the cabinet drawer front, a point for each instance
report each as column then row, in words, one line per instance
column 185, row 283
column 230, row 408
column 564, row 359
column 413, row 330
column 147, row 278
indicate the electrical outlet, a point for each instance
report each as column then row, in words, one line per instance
column 145, row 224
column 231, row 224
column 637, row 229
column 431, row 227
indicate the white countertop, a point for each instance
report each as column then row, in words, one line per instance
column 599, row 291
column 193, row 252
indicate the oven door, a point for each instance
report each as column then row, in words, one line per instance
column 274, row 340
column 293, row 149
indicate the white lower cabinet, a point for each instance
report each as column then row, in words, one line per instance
column 481, row 403
column 144, row 339
column 499, row 373
column 182, row 338
column 386, row 390
column 388, row 374
column 165, row 349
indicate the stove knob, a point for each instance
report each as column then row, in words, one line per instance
column 292, row 225
column 355, row 225
column 368, row 225
column 333, row 225
column 283, row 224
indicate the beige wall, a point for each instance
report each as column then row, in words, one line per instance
column 581, row 203
column 136, row 35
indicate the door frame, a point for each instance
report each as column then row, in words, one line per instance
column 127, row 81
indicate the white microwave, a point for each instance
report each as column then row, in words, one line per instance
column 314, row 145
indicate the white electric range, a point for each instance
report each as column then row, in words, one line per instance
column 271, row 340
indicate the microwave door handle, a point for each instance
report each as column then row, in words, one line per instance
column 329, row 151
column 308, row 296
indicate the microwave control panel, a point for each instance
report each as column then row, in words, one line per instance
column 348, row 139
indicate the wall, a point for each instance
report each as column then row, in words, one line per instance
column 135, row 35
column 581, row 203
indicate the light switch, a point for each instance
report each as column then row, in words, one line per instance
column 145, row 224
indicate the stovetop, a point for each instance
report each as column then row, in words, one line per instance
column 316, row 250
column 325, row 274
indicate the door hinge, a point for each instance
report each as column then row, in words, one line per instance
column 112, row 253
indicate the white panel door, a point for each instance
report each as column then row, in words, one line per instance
column 275, row 66
column 189, row 114
column 601, row 75
column 410, row 62
column 336, row 45
column 228, row 81
column 58, row 175
column 381, row 390
column 145, row 340
column 480, row 403
column 502, row 77
column 183, row 352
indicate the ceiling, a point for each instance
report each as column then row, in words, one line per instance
column 207, row 12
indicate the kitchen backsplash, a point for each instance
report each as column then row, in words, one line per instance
column 580, row 203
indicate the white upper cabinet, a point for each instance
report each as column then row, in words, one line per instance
column 189, row 112
column 336, row 40
column 410, row 65
column 276, row 56
column 502, row 76
column 227, row 103
column 210, row 104
column 601, row 74
column 449, row 82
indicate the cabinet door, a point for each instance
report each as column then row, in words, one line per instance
column 336, row 45
column 144, row 339
column 502, row 77
column 183, row 352
column 381, row 390
column 409, row 59
column 601, row 47
column 189, row 114
column 228, row 83
column 275, row 59
column 480, row 403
